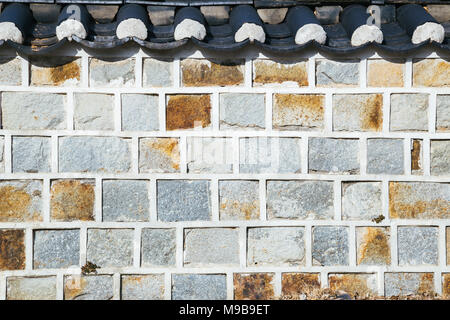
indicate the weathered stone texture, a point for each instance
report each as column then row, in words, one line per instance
column 93, row 111
column 158, row 155
column 31, row 288
column 416, row 156
column 419, row 200
column 188, row 112
column 331, row 155
column 442, row 113
column 408, row 283
column 272, row 15
column 140, row 112
column 143, row 287
column 276, row 246
column 10, row 71
column 357, row 112
column 357, row 285
column 216, row 15
column 88, row 287
column 409, row 112
column 254, row 286
column 94, row 154
column 157, row 73
column 199, row 287
column 2, row 154
column 361, row 200
column 158, row 247
column 31, row 154
column 299, row 285
column 209, row 155
column 202, row 72
column 110, row 247
column 417, row 245
column 56, row 249
column 33, row 110
column 72, row 200
column 111, row 72
column 183, row 200
column 300, row 200
column 337, row 73
column 385, row 156
column 446, row 286
column 12, row 249
column 383, row 73
column 239, row 200
column 55, row 71
column 211, row 246
column 125, row 200
column 440, row 157
column 20, row 200
column 373, row 246
column 448, row 245
column 298, row 111
column 431, row 73
column 286, row 73
column 242, row 111
column 330, row 246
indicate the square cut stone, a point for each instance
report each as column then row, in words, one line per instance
column 110, row 247
column 209, row 155
column 361, row 200
column 20, row 200
column 157, row 72
column 378, row 69
column 296, row 285
column 330, row 155
column 239, row 200
column 211, row 246
column 10, row 71
column 254, row 286
column 280, row 73
column 443, row 113
column 431, row 73
column 12, row 253
column 330, row 246
column 373, row 246
column 199, row 287
column 78, row 287
column 242, row 111
column 56, row 249
column 385, row 156
column 188, row 111
column 337, row 73
column 159, row 155
column 417, row 245
column 183, row 200
column 409, row 112
column 357, row 285
column 72, row 200
column 31, row 288
column 158, row 247
column 408, row 283
column 140, row 112
column 31, row 154
column 55, row 71
column 300, row 199
column 143, row 287
column 93, row 111
column 440, row 157
column 204, row 73
column 111, row 72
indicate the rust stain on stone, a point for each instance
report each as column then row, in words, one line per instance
column 266, row 71
column 74, row 287
column 52, row 72
column 374, row 247
column 448, row 245
column 431, row 73
column 446, row 286
column 200, row 73
column 426, row 284
column 255, row 286
column 188, row 111
column 16, row 205
column 12, row 250
column 242, row 210
column 298, row 110
column 72, row 200
column 372, row 113
column 416, row 155
column 295, row 284
column 356, row 285
column 168, row 147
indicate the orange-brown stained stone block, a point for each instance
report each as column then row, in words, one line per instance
column 416, row 156
column 431, row 73
column 401, row 284
column 253, row 286
column 293, row 111
column 373, row 247
column 159, row 155
column 446, row 286
column 202, row 72
column 55, row 71
column 20, row 201
column 357, row 285
column 382, row 73
column 293, row 285
column 419, row 200
column 188, row 111
column 12, row 250
column 72, row 200
column 357, row 112
column 448, row 245
column 273, row 72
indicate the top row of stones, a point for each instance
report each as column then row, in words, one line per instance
column 66, row 71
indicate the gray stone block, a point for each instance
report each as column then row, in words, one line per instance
column 242, row 111
column 209, row 155
column 158, row 247
column 199, row 287
column 337, row 73
column 385, row 156
column 238, row 200
column 417, row 245
column 111, row 72
column 143, row 287
column 216, row 15
column 31, row 154
column 93, row 111
column 10, row 71
column 140, row 112
column 157, row 73
column 110, row 247
column 330, row 155
column 409, row 112
column 31, row 288
column 88, row 287
column 443, row 112
column 407, row 283
column 2, row 152
column 330, row 246
column 161, row 15
column 361, row 200
column 440, row 157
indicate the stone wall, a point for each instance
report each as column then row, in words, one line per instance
column 232, row 176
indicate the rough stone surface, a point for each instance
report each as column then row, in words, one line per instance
column 408, row 283
column 143, row 287
column 298, row 111
column 188, row 112
column 202, row 72
column 93, row 111
column 209, row 155
column 417, row 156
column 157, row 73
column 211, row 246
column 417, row 245
column 285, row 73
column 448, row 246
column 56, row 249
column 31, row 288
column 357, row 112
column 33, row 110
column 199, row 287
column 409, row 112
column 269, row 155
column 373, row 246
column 419, row 200
column 276, row 246
column 357, row 285
column 254, row 286
column 159, row 155
column 440, row 157
column 158, row 247
column 183, row 200
column 272, row 15
column 239, row 200
column 330, row 246
column 72, row 200
column 12, row 249
column 20, row 200
column 443, row 113
column 140, row 112
column 216, row 15
column 361, row 200
column 110, row 247
column 125, row 200
column 88, row 287
column 111, row 72
column 2, row 153
column 300, row 200
column 31, row 154
column 337, row 73
column 94, row 154
column 385, row 156
column 161, row 15
column 242, row 110
column 446, row 286
column 297, row 285
column 55, row 71
column 377, row 69
column 431, row 73
column 10, row 71
column 330, row 155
